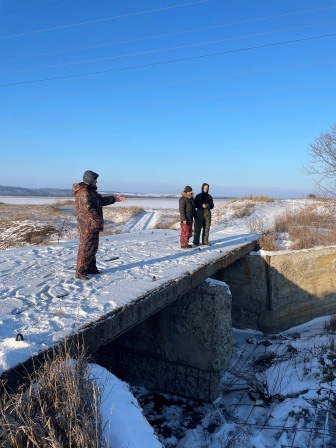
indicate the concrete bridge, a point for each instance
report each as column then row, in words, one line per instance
column 175, row 338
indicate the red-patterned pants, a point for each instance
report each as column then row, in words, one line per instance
column 186, row 233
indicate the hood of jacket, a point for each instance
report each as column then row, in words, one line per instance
column 78, row 186
column 185, row 195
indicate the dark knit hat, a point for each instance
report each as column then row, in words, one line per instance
column 89, row 177
column 187, row 189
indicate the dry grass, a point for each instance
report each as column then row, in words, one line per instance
column 168, row 221
column 330, row 325
column 23, row 233
column 60, row 410
column 121, row 215
column 22, row 225
column 59, row 206
column 314, row 225
column 243, row 210
column 20, row 212
column 257, row 198
column 268, row 242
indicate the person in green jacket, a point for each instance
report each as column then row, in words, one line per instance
column 187, row 215
column 204, row 204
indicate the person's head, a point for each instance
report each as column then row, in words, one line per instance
column 90, row 177
column 188, row 190
column 205, row 187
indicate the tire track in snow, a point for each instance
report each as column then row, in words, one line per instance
column 144, row 221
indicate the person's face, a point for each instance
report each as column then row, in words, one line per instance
column 206, row 188
column 189, row 193
column 94, row 183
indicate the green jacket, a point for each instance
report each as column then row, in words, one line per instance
column 187, row 208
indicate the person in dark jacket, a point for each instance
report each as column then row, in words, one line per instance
column 187, row 215
column 204, row 204
column 89, row 222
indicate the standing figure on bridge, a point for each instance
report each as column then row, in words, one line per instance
column 204, row 204
column 187, row 215
column 89, row 222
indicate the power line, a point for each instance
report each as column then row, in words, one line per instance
column 169, row 61
column 161, row 9
column 287, row 67
column 90, row 22
column 171, row 34
column 178, row 47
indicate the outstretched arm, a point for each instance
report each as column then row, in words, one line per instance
column 108, row 200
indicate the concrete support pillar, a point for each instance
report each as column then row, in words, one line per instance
column 248, row 279
column 181, row 349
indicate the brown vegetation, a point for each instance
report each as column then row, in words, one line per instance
column 314, row 225
column 268, row 242
column 257, row 198
column 60, row 409
column 243, row 210
column 168, row 221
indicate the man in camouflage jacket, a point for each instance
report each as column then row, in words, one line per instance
column 89, row 211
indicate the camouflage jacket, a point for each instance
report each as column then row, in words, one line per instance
column 89, row 207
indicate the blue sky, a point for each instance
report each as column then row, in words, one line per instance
column 154, row 95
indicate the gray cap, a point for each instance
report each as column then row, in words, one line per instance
column 89, row 177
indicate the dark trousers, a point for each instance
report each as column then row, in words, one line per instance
column 88, row 246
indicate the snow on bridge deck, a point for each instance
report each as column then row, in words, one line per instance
column 41, row 299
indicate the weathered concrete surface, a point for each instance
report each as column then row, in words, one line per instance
column 112, row 325
column 278, row 291
column 180, row 349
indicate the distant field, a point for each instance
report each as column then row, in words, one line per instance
column 146, row 203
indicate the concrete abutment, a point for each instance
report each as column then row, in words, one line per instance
column 181, row 349
column 277, row 291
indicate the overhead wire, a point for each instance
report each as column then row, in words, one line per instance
column 106, row 19
column 161, row 50
column 176, row 82
column 170, row 34
column 219, row 53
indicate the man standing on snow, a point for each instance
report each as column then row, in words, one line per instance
column 187, row 214
column 89, row 222
column 204, row 204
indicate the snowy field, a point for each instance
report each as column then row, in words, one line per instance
column 31, row 200
column 279, row 391
column 144, row 202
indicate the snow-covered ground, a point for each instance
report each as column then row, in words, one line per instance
column 278, row 392
column 41, row 299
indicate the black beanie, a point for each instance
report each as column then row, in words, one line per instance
column 187, row 188
column 89, row 177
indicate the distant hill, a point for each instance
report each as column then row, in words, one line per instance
column 59, row 192
column 19, row 191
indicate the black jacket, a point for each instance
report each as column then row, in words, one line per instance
column 204, row 198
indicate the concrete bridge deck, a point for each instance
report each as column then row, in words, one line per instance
column 41, row 300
